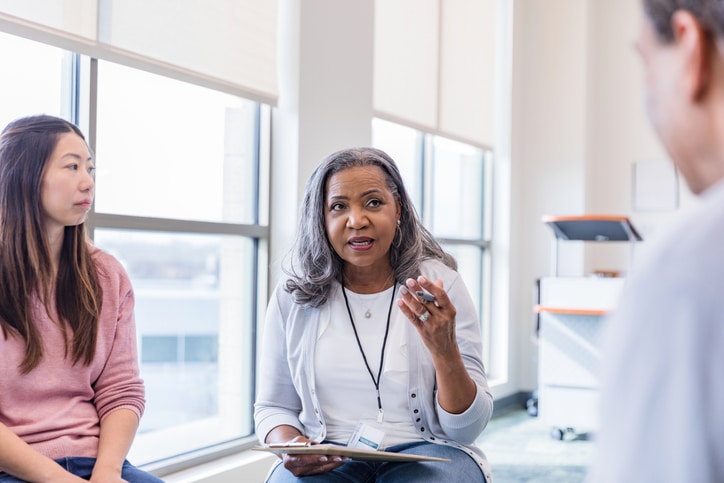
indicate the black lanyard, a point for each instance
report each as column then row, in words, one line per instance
column 376, row 381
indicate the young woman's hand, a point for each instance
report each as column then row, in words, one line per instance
column 106, row 475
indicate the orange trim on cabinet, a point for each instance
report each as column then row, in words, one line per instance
column 566, row 311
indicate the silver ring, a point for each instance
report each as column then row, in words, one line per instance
column 425, row 315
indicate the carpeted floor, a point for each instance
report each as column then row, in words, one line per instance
column 520, row 449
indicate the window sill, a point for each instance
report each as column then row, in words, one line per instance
column 247, row 466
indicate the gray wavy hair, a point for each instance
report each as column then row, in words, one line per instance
column 315, row 266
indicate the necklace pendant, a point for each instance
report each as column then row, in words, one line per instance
column 368, row 314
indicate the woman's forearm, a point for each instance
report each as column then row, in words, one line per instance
column 20, row 460
column 117, row 432
column 456, row 390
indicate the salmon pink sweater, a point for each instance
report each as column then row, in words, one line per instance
column 57, row 408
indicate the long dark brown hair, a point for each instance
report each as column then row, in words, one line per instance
column 26, row 268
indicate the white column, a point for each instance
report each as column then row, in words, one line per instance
column 325, row 99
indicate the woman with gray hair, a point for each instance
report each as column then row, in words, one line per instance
column 372, row 341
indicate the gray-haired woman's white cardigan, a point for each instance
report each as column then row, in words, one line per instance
column 287, row 386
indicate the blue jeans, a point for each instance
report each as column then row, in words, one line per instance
column 83, row 467
column 462, row 468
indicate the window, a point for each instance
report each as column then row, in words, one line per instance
column 178, row 202
column 181, row 190
column 449, row 182
column 36, row 84
column 152, row 130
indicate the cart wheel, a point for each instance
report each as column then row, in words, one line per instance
column 557, row 433
column 531, row 406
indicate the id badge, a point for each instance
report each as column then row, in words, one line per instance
column 366, row 437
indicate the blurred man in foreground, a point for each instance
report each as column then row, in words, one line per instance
column 662, row 411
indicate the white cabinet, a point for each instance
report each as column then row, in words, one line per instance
column 572, row 313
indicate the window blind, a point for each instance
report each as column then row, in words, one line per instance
column 435, row 66
column 226, row 44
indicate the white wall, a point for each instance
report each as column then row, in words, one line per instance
column 548, row 154
column 619, row 133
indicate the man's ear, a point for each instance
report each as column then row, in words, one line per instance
column 695, row 46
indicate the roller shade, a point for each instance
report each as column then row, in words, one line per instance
column 435, row 66
column 229, row 44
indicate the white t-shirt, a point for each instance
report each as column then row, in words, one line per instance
column 346, row 391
